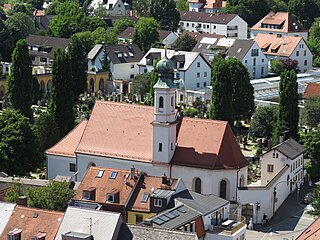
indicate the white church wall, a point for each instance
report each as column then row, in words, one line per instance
column 59, row 165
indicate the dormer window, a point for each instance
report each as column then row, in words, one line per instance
column 110, row 197
column 89, row 194
column 39, row 236
column 15, row 234
column 113, row 196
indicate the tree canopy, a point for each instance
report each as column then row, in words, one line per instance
column 314, row 42
column 264, row 119
column 141, row 83
column 19, row 25
column 122, row 24
column 311, row 112
column 183, row 5
column 185, row 42
column 305, row 10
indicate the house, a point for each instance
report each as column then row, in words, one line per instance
column 246, row 50
column 312, row 232
column 208, row 6
column 135, row 232
column 285, row 47
column 79, row 223
column 203, row 153
column 31, row 223
column 42, row 48
column 208, row 216
column 312, row 90
column 282, row 172
column 167, row 38
column 191, row 70
column 229, row 25
column 123, row 63
column 113, row 7
column 134, row 194
column 282, row 23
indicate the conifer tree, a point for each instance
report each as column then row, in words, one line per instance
column 20, row 80
column 61, row 100
column 288, row 111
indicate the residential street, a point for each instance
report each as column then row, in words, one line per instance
column 288, row 222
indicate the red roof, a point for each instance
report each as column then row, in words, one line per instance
column 312, row 232
column 32, row 222
column 312, row 90
column 124, row 131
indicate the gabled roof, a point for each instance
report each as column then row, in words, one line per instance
column 129, row 53
column 129, row 32
column 312, row 232
column 290, row 148
column 68, row 145
column 103, row 225
column 312, row 90
column 203, row 204
column 240, row 48
column 33, row 221
column 192, row 16
column 288, row 22
column 134, row 232
column 271, row 44
column 124, row 131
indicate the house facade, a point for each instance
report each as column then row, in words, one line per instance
column 229, row 25
column 191, row 70
column 286, row 47
column 279, row 23
column 208, row 6
column 113, row 7
column 203, row 153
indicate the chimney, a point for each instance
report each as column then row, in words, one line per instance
column 164, row 179
column 23, row 201
column 281, row 137
column 269, row 144
column 133, row 170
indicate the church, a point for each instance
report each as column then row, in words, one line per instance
column 156, row 140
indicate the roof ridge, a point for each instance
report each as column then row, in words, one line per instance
column 38, row 210
column 123, row 104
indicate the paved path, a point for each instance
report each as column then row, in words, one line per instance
column 287, row 223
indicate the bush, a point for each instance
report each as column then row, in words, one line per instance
column 190, row 112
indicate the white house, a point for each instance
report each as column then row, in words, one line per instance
column 123, row 61
column 204, row 153
column 279, row 23
column 208, row 6
column 113, row 7
column 246, row 50
column 191, row 70
column 285, row 47
column 229, row 25
column 166, row 37
column 281, row 173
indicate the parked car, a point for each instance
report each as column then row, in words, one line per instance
column 307, row 198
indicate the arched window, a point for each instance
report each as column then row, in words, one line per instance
column 197, row 185
column 101, row 84
column 241, row 181
column 223, row 189
column 171, row 101
column 161, row 102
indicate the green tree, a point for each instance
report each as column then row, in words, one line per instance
column 122, row 24
column 20, row 25
column 61, row 99
column 185, row 42
column 37, row 4
column 311, row 141
column 103, row 35
column 146, row 33
column 314, row 42
column 100, row 11
column 20, row 80
column 277, row 5
column 35, row 90
column 86, row 39
column 14, row 191
column 222, row 90
column 288, row 111
column 183, row 5
column 315, row 202
column 21, row 7
column 311, row 112
column 46, row 130
column 264, row 120
column 141, row 84
column 92, row 23
column 18, row 145
column 6, row 42
column 243, row 98
column 142, row 7
column 51, row 9
column 305, row 10
column 250, row 10
column 78, row 64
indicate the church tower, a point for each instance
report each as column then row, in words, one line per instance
column 165, row 115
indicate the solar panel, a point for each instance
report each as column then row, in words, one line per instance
column 182, row 209
column 145, row 197
column 100, row 173
column 164, row 218
column 158, row 221
column 113, row 175
column 170, row 215
column 175, row 213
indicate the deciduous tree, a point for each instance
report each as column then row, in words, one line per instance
column 20, row 25
column 185, row 42
column 141, row 83
column 122, row 24
column 311, row 112
column 183, row 5
column 264, row 120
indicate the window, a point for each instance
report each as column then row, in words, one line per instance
column 86, row 195
column 270, row 168
column 304, row 53
column 198, row 74
column 187, row 24
column 131, row 76
column 177, row 75
column 72, row 167
column 157, row 202
column 132, row 66
column 198, row 64
column 214, row 27
column 305, row 62
column 262, row 60
column 297, row 53
column 171, row 101
column 262, row 71
column 205, row 74
column 171, row 146
column 254, row 61
column 192, row 24
column 198, row 84
column 160, row 147
column 161, row 102
column 110, row 197
column 205, row 84
column 145, row 197
column 100, row 174
column 145, row 70
column 197, row 185
column 44, row 60
column 139, row 218
column 33, row 58
column 254, row 52
column 223, row 189
column 181, row 98
column 113, row 175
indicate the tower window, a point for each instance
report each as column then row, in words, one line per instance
column 171, row 101
column 160, row 147
column 160, row 102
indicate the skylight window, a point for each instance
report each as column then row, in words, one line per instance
column 100, row 173
column 145, row 197
column 131, row 54
column 113, row 175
